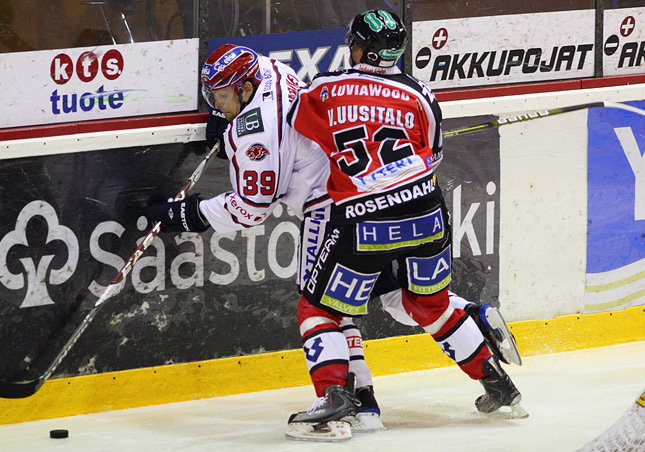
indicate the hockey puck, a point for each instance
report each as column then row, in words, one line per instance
column 58, row 434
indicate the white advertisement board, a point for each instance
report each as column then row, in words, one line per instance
column 624, row 41
column 504, row 49
column 54, row 86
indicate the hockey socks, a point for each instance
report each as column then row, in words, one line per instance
column 463, row 342
column 357, row 364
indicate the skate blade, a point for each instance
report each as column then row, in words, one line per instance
column 367, row 423
column 516, row 411
column 508, row 346
column 329, row 432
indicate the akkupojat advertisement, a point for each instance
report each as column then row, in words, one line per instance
column 70, row 221
column 616, row 209
column 55, row 86
column 495, row 50
column 624, row 41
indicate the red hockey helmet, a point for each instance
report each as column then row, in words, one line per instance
column 229, row 65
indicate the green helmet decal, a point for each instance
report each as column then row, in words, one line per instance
column 388, row 20
column 376, row 23
column 388, row 54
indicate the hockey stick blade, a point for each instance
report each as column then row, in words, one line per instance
column 536, row 115
column 23, row 389
column 19, row 390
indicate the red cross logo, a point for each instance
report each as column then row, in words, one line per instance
column 628, row 25
column 440, row 38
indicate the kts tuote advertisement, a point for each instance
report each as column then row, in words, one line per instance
column 55, row 86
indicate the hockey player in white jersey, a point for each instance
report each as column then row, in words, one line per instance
column 271, row 163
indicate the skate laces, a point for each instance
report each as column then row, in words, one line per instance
column 322, row 401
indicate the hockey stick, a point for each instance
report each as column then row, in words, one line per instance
column 22, row 389
column 537, row 114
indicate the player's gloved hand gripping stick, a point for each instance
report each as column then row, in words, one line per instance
column 21, row 389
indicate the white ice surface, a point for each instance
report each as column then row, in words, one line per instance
column 571, row 397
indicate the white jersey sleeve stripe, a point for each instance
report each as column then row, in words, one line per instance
column 279, row 101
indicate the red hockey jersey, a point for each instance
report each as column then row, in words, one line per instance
column 381, row 132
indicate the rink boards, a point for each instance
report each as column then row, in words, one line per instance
column 519, row 198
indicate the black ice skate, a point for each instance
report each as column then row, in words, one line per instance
column 367, row 412
column 496, row 333
column 329, row 418
column 500, row 392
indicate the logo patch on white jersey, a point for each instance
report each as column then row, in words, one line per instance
column 257, row 152
column 250, row 122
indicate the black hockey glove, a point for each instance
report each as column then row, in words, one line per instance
column 179, row 216
column 215, row 128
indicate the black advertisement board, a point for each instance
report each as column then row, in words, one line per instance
column 70, row 221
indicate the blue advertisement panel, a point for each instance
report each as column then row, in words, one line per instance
column 307, row 52
column 616, row 209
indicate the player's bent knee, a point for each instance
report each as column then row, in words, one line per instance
column 312, row 318
column 429, row 311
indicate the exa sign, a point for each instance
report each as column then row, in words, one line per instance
column 307, row 52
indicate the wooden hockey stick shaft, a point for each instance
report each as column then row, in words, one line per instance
column 22, row 389
column 536, row 115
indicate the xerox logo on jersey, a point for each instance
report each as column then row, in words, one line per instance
column 239, row 209
column 257, row 152
column 87, row 66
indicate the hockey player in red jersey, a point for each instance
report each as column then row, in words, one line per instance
column 381, row 131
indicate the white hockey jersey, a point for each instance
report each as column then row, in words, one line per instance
column 270, row 162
